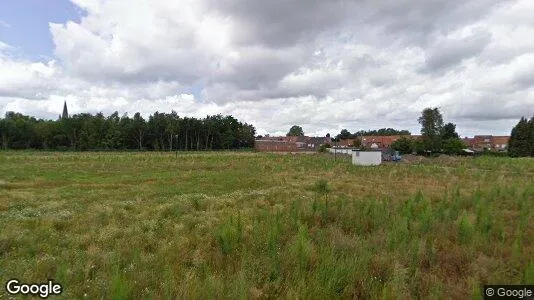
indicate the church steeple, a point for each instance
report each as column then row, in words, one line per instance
column 65, row 113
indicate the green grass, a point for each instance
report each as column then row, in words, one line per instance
column 254, row 225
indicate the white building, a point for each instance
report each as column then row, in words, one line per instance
column 366, row 158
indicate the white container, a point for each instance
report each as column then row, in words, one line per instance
column 366, row 158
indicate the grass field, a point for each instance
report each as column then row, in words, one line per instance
column 251, row 225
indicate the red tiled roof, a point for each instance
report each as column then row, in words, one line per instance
column 381, row 141
column 501, row 139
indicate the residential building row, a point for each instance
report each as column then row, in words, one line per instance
column 291, row 143
column 306, row 143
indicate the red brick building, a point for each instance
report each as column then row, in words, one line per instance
column 487, row 142
column 274, row 146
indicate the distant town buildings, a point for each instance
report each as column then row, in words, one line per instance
column 487, row 142
column 372, row 141
column 291, row 143
column 305, row 143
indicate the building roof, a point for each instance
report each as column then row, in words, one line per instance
column 501, row 140
column 381, row 140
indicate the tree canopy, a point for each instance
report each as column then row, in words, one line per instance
column 522, row 138
column 295, row 130
column 162, row 131
column 345, row 134
column 403, row 145
column 449, row 132
column 431, row 122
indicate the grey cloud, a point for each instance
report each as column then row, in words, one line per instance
column 281, row 23
column 493, row 113
column 486, row 107
column 448, row 53
column 524, row 79
column 259, row 67
column 421, row 21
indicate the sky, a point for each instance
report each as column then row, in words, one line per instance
column 323, row 65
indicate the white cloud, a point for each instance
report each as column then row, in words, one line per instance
column 4, row 24
column 348, row 64
column 4, row 47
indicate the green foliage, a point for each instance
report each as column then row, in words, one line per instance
column 242, row 225
column 345, row 134
column 404, row 145
column 119, row 286
column 162, row 131
column 418, row 146
column 531, row 136
column 522, row 139
column 465, row 230
column 431, row 122
column 453, row 146
column 449, row 132
column 229, row 234
column 528, row 276
column 295, row 130
column 323, row 147
column 321, row 187
column 302, row 248
column 382, row 131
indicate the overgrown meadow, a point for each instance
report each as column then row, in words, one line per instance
column 255, row 225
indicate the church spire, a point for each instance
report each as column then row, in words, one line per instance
column 65, row 113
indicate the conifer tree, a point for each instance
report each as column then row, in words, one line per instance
column 521, row 141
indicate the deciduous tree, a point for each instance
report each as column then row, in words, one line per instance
column 295, row 130
column 431, row 122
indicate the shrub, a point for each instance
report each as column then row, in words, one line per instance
column 404, row 145
column 453, row 146
column 323, row 147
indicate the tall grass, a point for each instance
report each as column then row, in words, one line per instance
column 248, row 225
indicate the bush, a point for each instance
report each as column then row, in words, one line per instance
column 453, row 146
column 495, row 153
column 404, row 145
column 323, row 147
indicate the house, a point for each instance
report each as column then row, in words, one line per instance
column 500, row 143
column 379, row 142
column 314, row 143
column 273, row 145
column 487, row 142
column 482, row 142
column 469, row 142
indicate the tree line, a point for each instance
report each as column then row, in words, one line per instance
column 161, row 132
column 345, row 134
column 521, row 142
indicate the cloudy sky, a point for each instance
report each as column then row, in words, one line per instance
column 324, row 65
